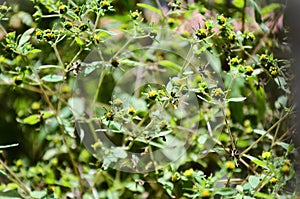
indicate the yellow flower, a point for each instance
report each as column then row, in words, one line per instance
column 19, row 163
column 229, row 165
column 266, row 155
column 235, row 60
column 188, row 172
column 117, row 102
column 263, row 57
column 287, row 162
column 35, row 106
column 131, row 111
column 4, row 8
column 175, row 177
column 152, row 94
column 205, row 193
column 249, row 69
column 285, row 169
column 249, row 130
column 2, row 59
column 273, row 180
column 246, row 123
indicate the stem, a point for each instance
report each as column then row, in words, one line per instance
column 161, row 9
column 71, row 157
column 15, row 178
column 98, row 88
column 267, row 132
column 244, row 16
column 57, row 54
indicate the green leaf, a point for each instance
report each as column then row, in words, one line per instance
column 48, row 66
column 3, row 173
column 238, row 3
column 169, row 64
column 263, row 195
column 25, row 37
column 149, row 7
column 269, row 8
column 262, row 132
column 52, row 78
column 215, row 62
column 35, row 118
column 38, row 194
column 25, row 17
column 226, row 191
column 77, row 106
column 236, row 99
column 256, row 161
column 79, row 41
column 283, row 145
column 254, row 181
column 32, row 119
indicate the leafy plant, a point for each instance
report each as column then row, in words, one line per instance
column 160, row 101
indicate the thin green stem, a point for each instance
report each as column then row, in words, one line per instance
column 161, row 9
column 98, row 88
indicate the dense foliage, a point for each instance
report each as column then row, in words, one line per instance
column 125, row 99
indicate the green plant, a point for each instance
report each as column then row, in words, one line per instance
column 189, row 110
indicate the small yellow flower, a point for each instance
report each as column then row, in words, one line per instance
column 105, row 4
column 201, row 33
column 285, row 169
column 287, row 162
column 68, row 25
column 117, row 102
column 2, row 59
column 229, row 165
column 131, row 111
column 35, row 106
column 251, row 36
column 188, row 172
column 62, row 9
column 19, row 163
column 96, row 38
column 235, row 60
column 38, row 34
column 205, row 193
column 175, row 177
column 152, row 94
column 273, row 180
column 135, row 15
column 266, row 155
column 247, row 123
column 4, row 8
column 249, row 69
column 66, row 89
column 249, row 130
column 231, row 37
column 263, row 57
column 221, row 19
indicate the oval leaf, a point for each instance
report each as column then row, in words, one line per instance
column 146, row 6
column 254, row 181
column 52, row 78
column 25, row 37
column 169, row 64
column 236, row 99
